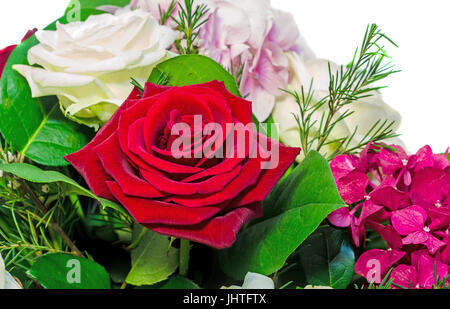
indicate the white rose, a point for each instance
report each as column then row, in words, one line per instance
column 366, row 112
column 89, row 65
column 6, row 280
column 254, row 281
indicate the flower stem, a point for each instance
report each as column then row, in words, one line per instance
column 185, row 247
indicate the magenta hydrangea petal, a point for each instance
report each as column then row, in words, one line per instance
column 374, row 264
column 430, row 186
column 342, row 165
column 390, row 197
column 340, row 217
column 428, row 269
column 405, row 276
column 409, row 220
column 352, row 187
column 388, row 233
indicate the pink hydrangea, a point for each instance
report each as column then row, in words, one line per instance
column 252, row 35
column 406, row 200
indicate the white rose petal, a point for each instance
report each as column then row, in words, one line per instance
column 89, row 65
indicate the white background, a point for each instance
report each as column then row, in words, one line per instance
column 334, row 29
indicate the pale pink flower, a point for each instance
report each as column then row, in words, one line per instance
column 249, row 34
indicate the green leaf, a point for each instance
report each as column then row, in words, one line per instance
column 191, row 70
column 327, row 258
column 272, row 129
column 64, row 271
column 36, row 127
column 35, row 174
column 176, row 283
column 153, row 260
column 293, row 210
column 93, row 4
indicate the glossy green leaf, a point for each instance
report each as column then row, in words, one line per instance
column 191, row 70
column 293, row 211
column 272, row 129
column 36, row 175
column 327, row 258
column 35, row 126
column 153, row 260
column 176, row 282
column 93, row 4
column 64, row 271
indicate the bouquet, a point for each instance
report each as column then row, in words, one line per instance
column 186, row 144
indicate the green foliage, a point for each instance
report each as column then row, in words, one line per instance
column 327, row 258
column 347, row 86
column 69, row 186
column 176, row 283
column 153, row 259
column 63, row 271
column 190, row 19
column 191, row 70
column 36, row 128
column 167, row 14
column 293, row 211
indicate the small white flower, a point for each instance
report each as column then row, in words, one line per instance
column 88, row 65
column 317, row 287
column 254, row 281
column 6, row 280
column 15, row 184
column 45, row 189
column 11, row 157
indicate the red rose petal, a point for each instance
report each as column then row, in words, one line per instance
column 149, row 161
column 270, row 177
column 242, row 109
column 116, row 165
column 179, row 99
column 247, row 178
column 151, row 89
column 219, row 233
column 86, row 162
column 209, row 186
column 149, row 211
column 4, row 56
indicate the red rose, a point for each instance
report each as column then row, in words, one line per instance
column 4, row 53
column 201, row 198
column 4, row 56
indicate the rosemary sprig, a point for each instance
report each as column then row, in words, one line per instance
column 166, row 15
column 190, row 19
column 136, row 84
column 236, row 69
column 318, row 120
